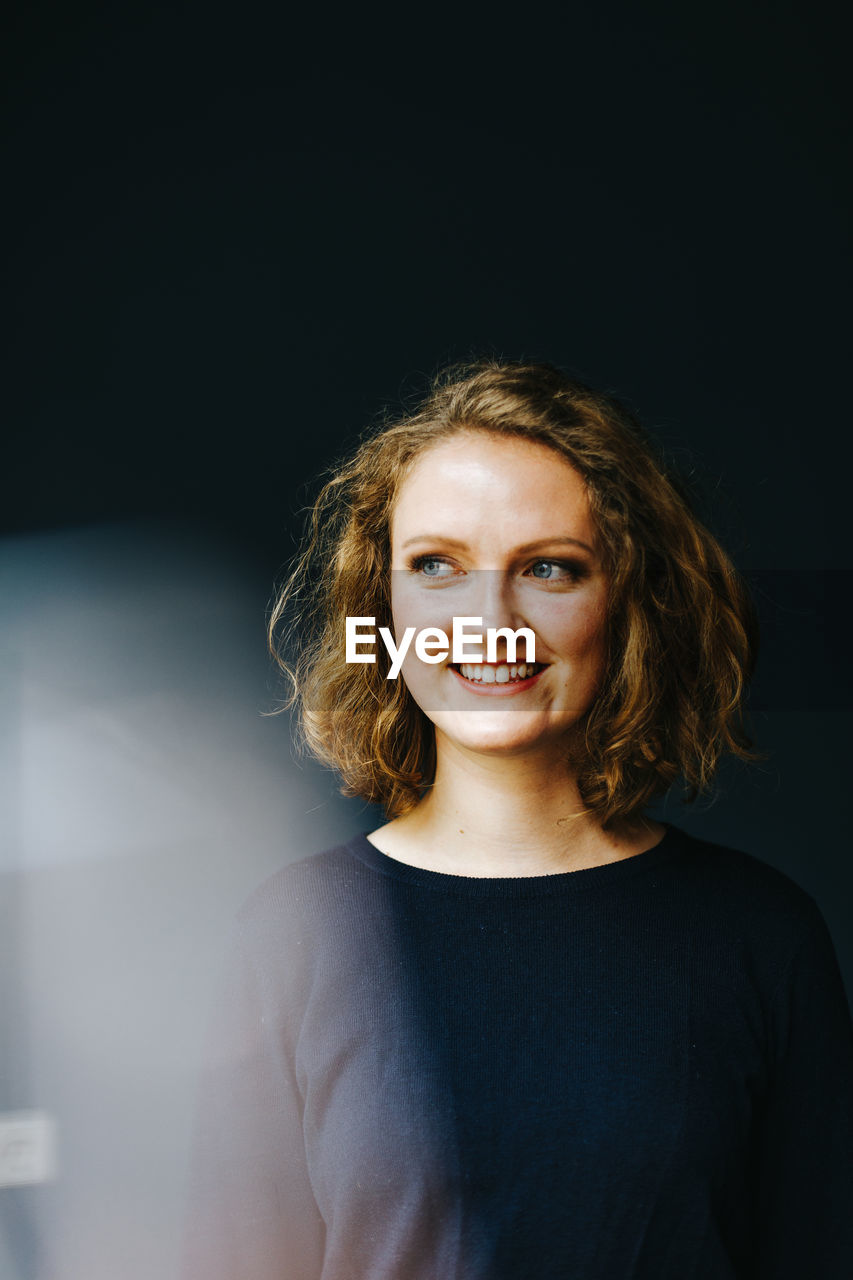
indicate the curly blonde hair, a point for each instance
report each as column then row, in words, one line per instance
column 681, row 632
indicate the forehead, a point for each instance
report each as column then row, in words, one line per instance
column 477, row 481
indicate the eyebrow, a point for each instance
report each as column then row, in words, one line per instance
column 523, row 550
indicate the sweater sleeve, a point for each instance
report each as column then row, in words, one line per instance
column 806, row 1166
column 251, row 1212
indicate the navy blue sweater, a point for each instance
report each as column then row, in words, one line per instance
column 638, row 1070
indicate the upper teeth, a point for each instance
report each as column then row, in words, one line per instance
column 501, row 674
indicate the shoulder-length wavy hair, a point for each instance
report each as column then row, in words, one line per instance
column 681, row 632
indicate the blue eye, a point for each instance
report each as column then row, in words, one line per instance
column 556, row 571
column 431, row 566
column 543, row 569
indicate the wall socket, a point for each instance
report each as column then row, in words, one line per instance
column 27, row 1148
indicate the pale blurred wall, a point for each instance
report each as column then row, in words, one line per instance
column 144, row 795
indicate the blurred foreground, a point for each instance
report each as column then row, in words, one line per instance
column 144, row 794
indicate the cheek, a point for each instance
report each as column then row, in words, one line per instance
column 591, row 632
column 592, row 644
column 401, row 609
column 414, row 607
column 405, row 612
column 575, row 630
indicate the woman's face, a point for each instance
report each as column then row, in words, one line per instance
column 500, row 528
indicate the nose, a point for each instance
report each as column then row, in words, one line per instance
column 496, row 603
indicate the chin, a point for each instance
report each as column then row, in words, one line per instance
column 489, row 733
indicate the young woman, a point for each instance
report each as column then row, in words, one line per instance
column 522, row 1029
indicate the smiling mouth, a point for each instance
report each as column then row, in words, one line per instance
column 497, row 673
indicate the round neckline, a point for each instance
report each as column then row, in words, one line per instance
column 548, row 884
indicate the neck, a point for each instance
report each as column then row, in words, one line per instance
column 499, row 816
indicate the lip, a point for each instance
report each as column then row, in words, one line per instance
column 508, row 690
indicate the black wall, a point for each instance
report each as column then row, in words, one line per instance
column 234, row 233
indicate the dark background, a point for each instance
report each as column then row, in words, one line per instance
column 234, row 235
